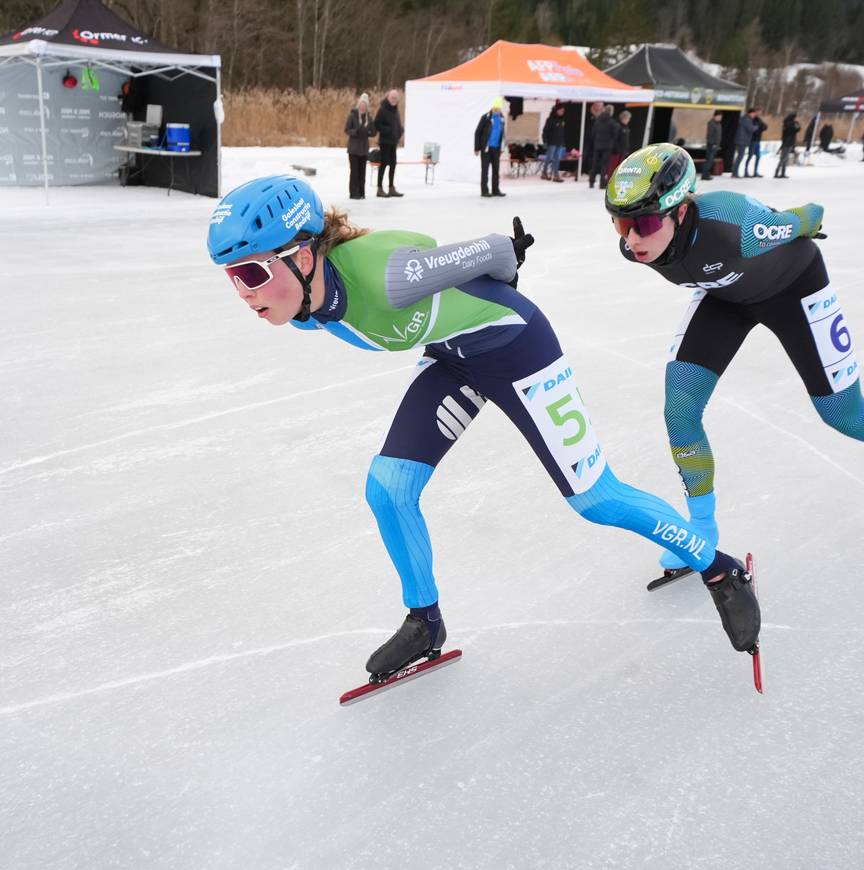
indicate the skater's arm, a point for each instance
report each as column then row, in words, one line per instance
column 765, row 229
column 412, row 274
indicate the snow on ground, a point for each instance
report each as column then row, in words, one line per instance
column 191, row 577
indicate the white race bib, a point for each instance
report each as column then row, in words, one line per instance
column 552, row 399
column 832, row 338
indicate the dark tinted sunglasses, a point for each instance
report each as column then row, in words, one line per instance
column 644, row 224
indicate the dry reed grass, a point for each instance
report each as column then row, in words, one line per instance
column 267, row 116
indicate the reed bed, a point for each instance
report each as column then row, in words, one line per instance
column 272, row 117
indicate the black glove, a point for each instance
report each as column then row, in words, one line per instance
column 521, row 242
column 820, row 235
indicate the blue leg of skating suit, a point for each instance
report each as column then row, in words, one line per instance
column 843, row 411
column 393, row 488
column 688, row 389
column 613, row 503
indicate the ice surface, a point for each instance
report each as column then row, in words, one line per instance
column 189, row 575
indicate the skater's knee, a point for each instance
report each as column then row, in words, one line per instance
column 605, row 503
column 395, row 484
column 843, row 411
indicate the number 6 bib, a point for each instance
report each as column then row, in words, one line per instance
column 832, row 338
column 552, row 399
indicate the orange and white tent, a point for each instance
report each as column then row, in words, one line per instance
column 445, row 108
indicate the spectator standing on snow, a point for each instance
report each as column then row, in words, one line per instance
column 488, row 142
column 787, row 143
column 759, row 127
column 595, row 110
column 713, row 141
column 603, row 136
column 359, row 127
column 622, row 141
column 743, row 138
column 390, row 130
column 554, row 138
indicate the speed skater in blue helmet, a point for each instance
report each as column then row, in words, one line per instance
column 278, row 215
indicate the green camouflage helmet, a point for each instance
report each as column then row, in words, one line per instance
column 651, row 180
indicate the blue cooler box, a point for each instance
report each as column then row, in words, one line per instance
column 177, row 137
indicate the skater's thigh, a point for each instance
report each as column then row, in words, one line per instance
column 532, row 381
column 711, row 332
column 809, row 322
column 435, row 409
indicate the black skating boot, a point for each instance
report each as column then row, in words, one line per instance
column 413, row 641
column 738, row 608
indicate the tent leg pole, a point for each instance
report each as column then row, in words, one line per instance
column 218, row 135
column 581, row 141
column 42, row 127
column 648, row 123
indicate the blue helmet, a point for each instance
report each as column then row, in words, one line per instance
column 263, row 215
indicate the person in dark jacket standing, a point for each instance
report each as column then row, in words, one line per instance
column 595, row 111
column 603, row 136
column 622, row 141
column 713, row 141
column 390, row 130
column 759, row 127
column 743, row 137
column 787, row 143
column 488, row 140
column 359, row 127
column 554, row 139
column 809, row 134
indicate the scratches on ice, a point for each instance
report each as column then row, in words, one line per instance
column 181, row 424
column 224, row 658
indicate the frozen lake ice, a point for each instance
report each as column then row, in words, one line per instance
column 191, row 576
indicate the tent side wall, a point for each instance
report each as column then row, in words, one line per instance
column 447, row 114
column 81, row 126
column 185, row 100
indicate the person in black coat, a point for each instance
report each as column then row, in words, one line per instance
column 359, row 127
column 622, row 147
column 603, row 137
column 787, row 143
column 759, row 127
column 390, row 130
column 554, row 138
column 488, row 142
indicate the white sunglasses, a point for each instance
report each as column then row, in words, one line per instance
column 252, row 274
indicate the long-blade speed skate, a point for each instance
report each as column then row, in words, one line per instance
column 410, row 672
column 755, row 651
column 670, row 575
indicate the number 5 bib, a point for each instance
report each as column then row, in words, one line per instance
column 552, row 399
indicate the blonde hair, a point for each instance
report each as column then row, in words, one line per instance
column 337, row 230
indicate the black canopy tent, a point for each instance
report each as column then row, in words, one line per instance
column 852, row 103
column 61, row 79
column 678, row 83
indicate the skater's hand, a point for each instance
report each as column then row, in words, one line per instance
column 820, row 234
column 521, row 242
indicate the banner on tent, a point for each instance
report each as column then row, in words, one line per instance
column 81, row 128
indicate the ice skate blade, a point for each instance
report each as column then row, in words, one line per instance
column 409, row 672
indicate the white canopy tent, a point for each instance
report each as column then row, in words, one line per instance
column 445, row 108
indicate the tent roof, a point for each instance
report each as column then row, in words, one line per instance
column 87, row 29
column 851, row 103
column 676, row 80
column 539, row 70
